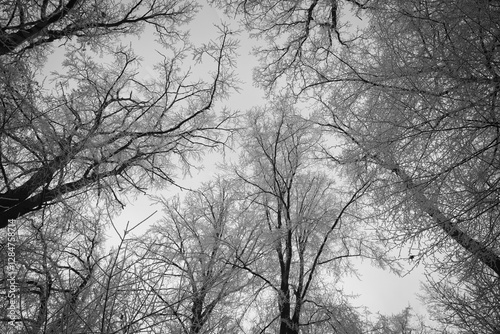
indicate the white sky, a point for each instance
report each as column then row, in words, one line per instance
column 380, row 291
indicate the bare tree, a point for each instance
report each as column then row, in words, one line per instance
column 427, row 127
column 68, row 283
column 304, row 219
column 302, row 35
column 53, row 269
column 414, row 94
column 28, row 25
column 104, row 129
column 193, row 249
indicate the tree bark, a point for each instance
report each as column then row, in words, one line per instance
column 486, row 255
column 9, row 42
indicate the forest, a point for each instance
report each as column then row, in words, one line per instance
column 376, row 139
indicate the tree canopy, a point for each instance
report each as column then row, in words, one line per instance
column 380, row 131
column 103, row 128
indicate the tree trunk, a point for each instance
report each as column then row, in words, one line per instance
column 484, row 254
column 9, row 42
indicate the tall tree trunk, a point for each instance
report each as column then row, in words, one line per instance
column 486, row 255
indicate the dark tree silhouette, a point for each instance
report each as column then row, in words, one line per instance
column 103, row 126
column 32, row 24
